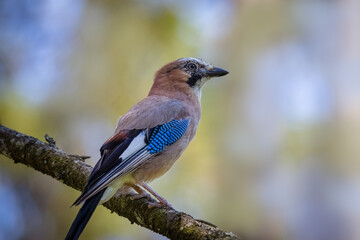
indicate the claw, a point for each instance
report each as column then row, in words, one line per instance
column 140, row 195
column 159, row 204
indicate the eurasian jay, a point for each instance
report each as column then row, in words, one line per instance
column 149, row 138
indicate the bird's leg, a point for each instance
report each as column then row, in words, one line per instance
column 141, row 192
column 162, row 201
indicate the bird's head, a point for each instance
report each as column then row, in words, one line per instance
column 187, row 75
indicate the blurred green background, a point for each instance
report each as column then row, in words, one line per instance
column 277, row 151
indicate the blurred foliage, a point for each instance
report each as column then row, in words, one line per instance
column 276, row 153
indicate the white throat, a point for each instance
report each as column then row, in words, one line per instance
column 199, row 86
column 198, row 91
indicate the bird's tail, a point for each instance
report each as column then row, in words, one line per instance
column 83, row 216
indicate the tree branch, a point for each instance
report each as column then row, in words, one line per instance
column 73, row 171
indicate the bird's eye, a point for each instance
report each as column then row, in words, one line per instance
column 191, row 66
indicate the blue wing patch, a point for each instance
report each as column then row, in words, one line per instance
column 166, row 134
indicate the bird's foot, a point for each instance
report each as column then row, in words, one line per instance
column 143, row 194
column 162, row 203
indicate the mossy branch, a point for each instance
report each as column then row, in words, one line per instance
column 73, row 171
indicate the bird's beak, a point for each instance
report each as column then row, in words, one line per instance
column 215, row 72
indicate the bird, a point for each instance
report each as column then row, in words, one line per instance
column 149, row 138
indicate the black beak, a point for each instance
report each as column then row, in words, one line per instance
column 216, row 72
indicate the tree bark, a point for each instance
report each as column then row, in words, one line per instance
column 73, row 171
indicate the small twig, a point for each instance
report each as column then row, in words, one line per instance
column 50, row 140
column 206, row 222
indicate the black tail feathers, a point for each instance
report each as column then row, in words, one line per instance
column 83, row 216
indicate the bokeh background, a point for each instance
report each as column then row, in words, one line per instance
column 277, row 153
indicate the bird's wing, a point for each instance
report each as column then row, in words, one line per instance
column 129, row 148
column 152, row 111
